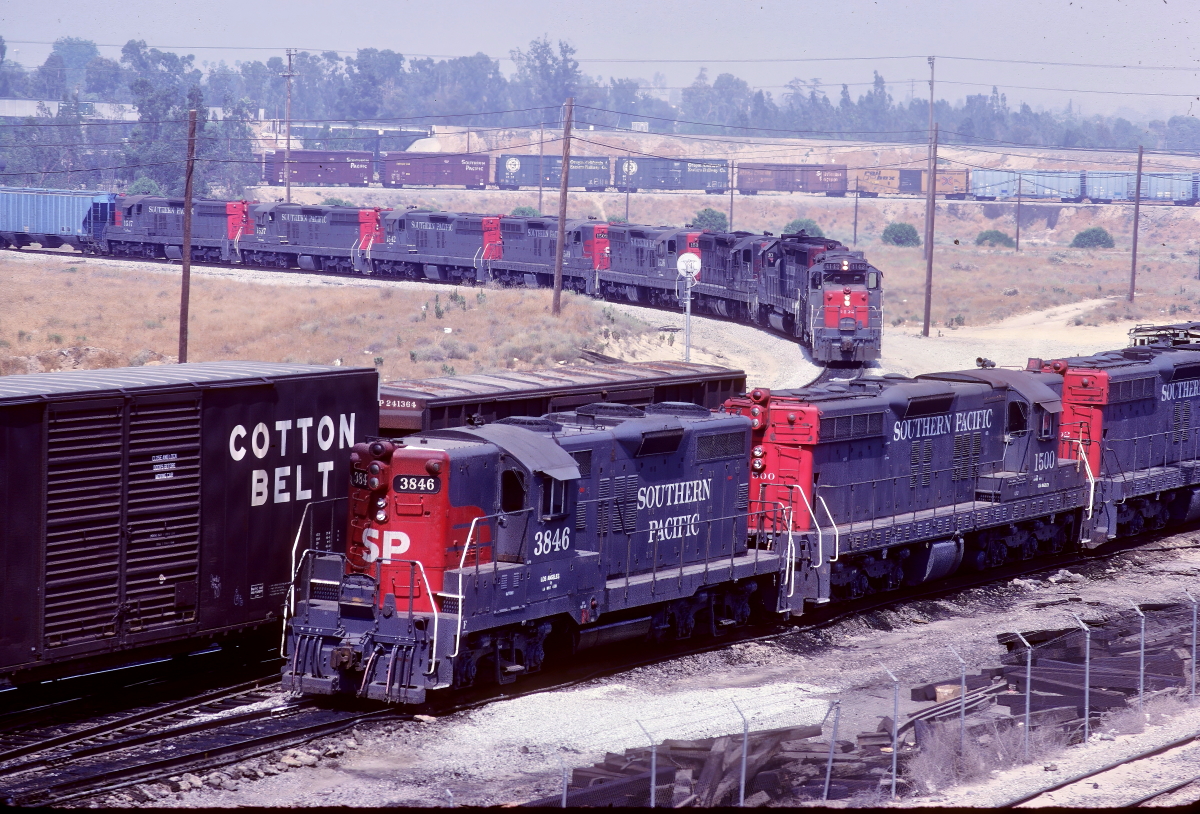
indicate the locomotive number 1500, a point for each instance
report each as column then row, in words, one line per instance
column 546, row 541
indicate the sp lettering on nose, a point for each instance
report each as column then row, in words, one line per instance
column 394, row 544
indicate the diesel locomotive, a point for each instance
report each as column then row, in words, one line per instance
column 815, row 290
column 472, row 553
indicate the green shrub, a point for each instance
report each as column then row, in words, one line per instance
column 336, row 202
column 710, row 218
column 806, row 225
column 994, row 237
column 616, row 219
column 901, row 234
column 144, row 186
column 525, row 212
column 1095, row 238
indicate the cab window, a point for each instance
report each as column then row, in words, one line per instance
column 872, row 279
column 554, row 498
column 1018, row 417
column 512, row 491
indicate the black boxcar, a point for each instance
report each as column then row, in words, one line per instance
column 436, row 169
column 146, row 507
column 409, row 405
column 322, row 167
column 642, row 172
column 593, row 173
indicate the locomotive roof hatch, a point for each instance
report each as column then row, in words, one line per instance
column 537, row 453
column 1030, row 389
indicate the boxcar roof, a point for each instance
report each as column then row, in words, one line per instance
column 559, row 378
column 48, row 385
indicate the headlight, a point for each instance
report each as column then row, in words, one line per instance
column 381, row 503
column 375, row 468
column 758, row 452
column 381, row 516
column 755, row 423
column 758, row 465
column 372, row 483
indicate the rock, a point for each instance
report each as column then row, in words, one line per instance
column 1107, row 736
column 290, row 761
column 1064, row 575
column 1027, row 584
column 1050, row 767
column 192, row 780
column 350, row 743
column 281, row 766
column 334, row 750
column 759, row 798
column 305, row 758
column 215, row 780
column 178, row 784
column 425, row 719
column 270, row 769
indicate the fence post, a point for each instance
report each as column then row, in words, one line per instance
column 563, row 766
column 1028, row 688
column 745, row 750
column 836, row 708
column 653, row 768
column 895, row 724
column 1141, row 658
column 1087, row 679
column 1193, row 600
column 962, row 705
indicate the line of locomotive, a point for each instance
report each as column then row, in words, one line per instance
column 473, row 552
column 814, row 290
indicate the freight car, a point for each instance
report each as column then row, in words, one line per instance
column 435, row 169
column 472, row 554
column 145, row 509
column 407, row 405
column 829, row 179
column 593, row 173
column 54, row 217
column 320, row 167
column 668, row 174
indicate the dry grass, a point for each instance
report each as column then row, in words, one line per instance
column 54, row 307
column 977, row 286
column 939, row 765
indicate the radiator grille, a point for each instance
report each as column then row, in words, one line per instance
column 720, row 445
column 83, row 524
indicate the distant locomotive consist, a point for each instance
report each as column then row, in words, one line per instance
column 815, row 290
column 474, row 552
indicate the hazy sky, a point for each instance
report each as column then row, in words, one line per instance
column 766, row 43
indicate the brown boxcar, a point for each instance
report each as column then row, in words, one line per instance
column 322, row 167
column 954, row 184
column 753, row 178
column 471, row 170
column 411, row 405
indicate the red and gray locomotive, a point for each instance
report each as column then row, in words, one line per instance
column 815, row 290
column 472, row 552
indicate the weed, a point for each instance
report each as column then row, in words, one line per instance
column 55, row 338
column 23, row 336
column 437, row 306
column 1161, row 709
column 1125, row 721
column 448, row 370
column 153, row 323
column 4, row 343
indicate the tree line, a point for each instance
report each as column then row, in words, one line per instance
column 375, row 85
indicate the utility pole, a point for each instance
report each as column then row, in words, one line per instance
column 932, row 170
column 731, row 171
column 185, row 291
column 627, row 185
column 1137, row 205
column 929, row 231
column 556, row 303
column 541, row 171
column 287, row 145
column 856, row 210
column 1019, row 179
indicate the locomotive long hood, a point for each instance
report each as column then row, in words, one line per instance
column 1036, row 392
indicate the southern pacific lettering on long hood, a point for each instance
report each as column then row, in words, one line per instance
column 673, row 494
column 942, row 424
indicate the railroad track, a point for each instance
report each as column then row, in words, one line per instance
column 206, row 732
column 1084, row 783
column 233, row 724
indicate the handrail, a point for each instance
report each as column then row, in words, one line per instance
column 816, row 523
column 1087, row 465
column 837, row 537
column 289, row 605
column 462, row 564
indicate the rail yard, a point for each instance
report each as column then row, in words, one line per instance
column 564, row 438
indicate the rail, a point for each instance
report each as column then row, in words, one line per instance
column 837, row 536
column 289, row 605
